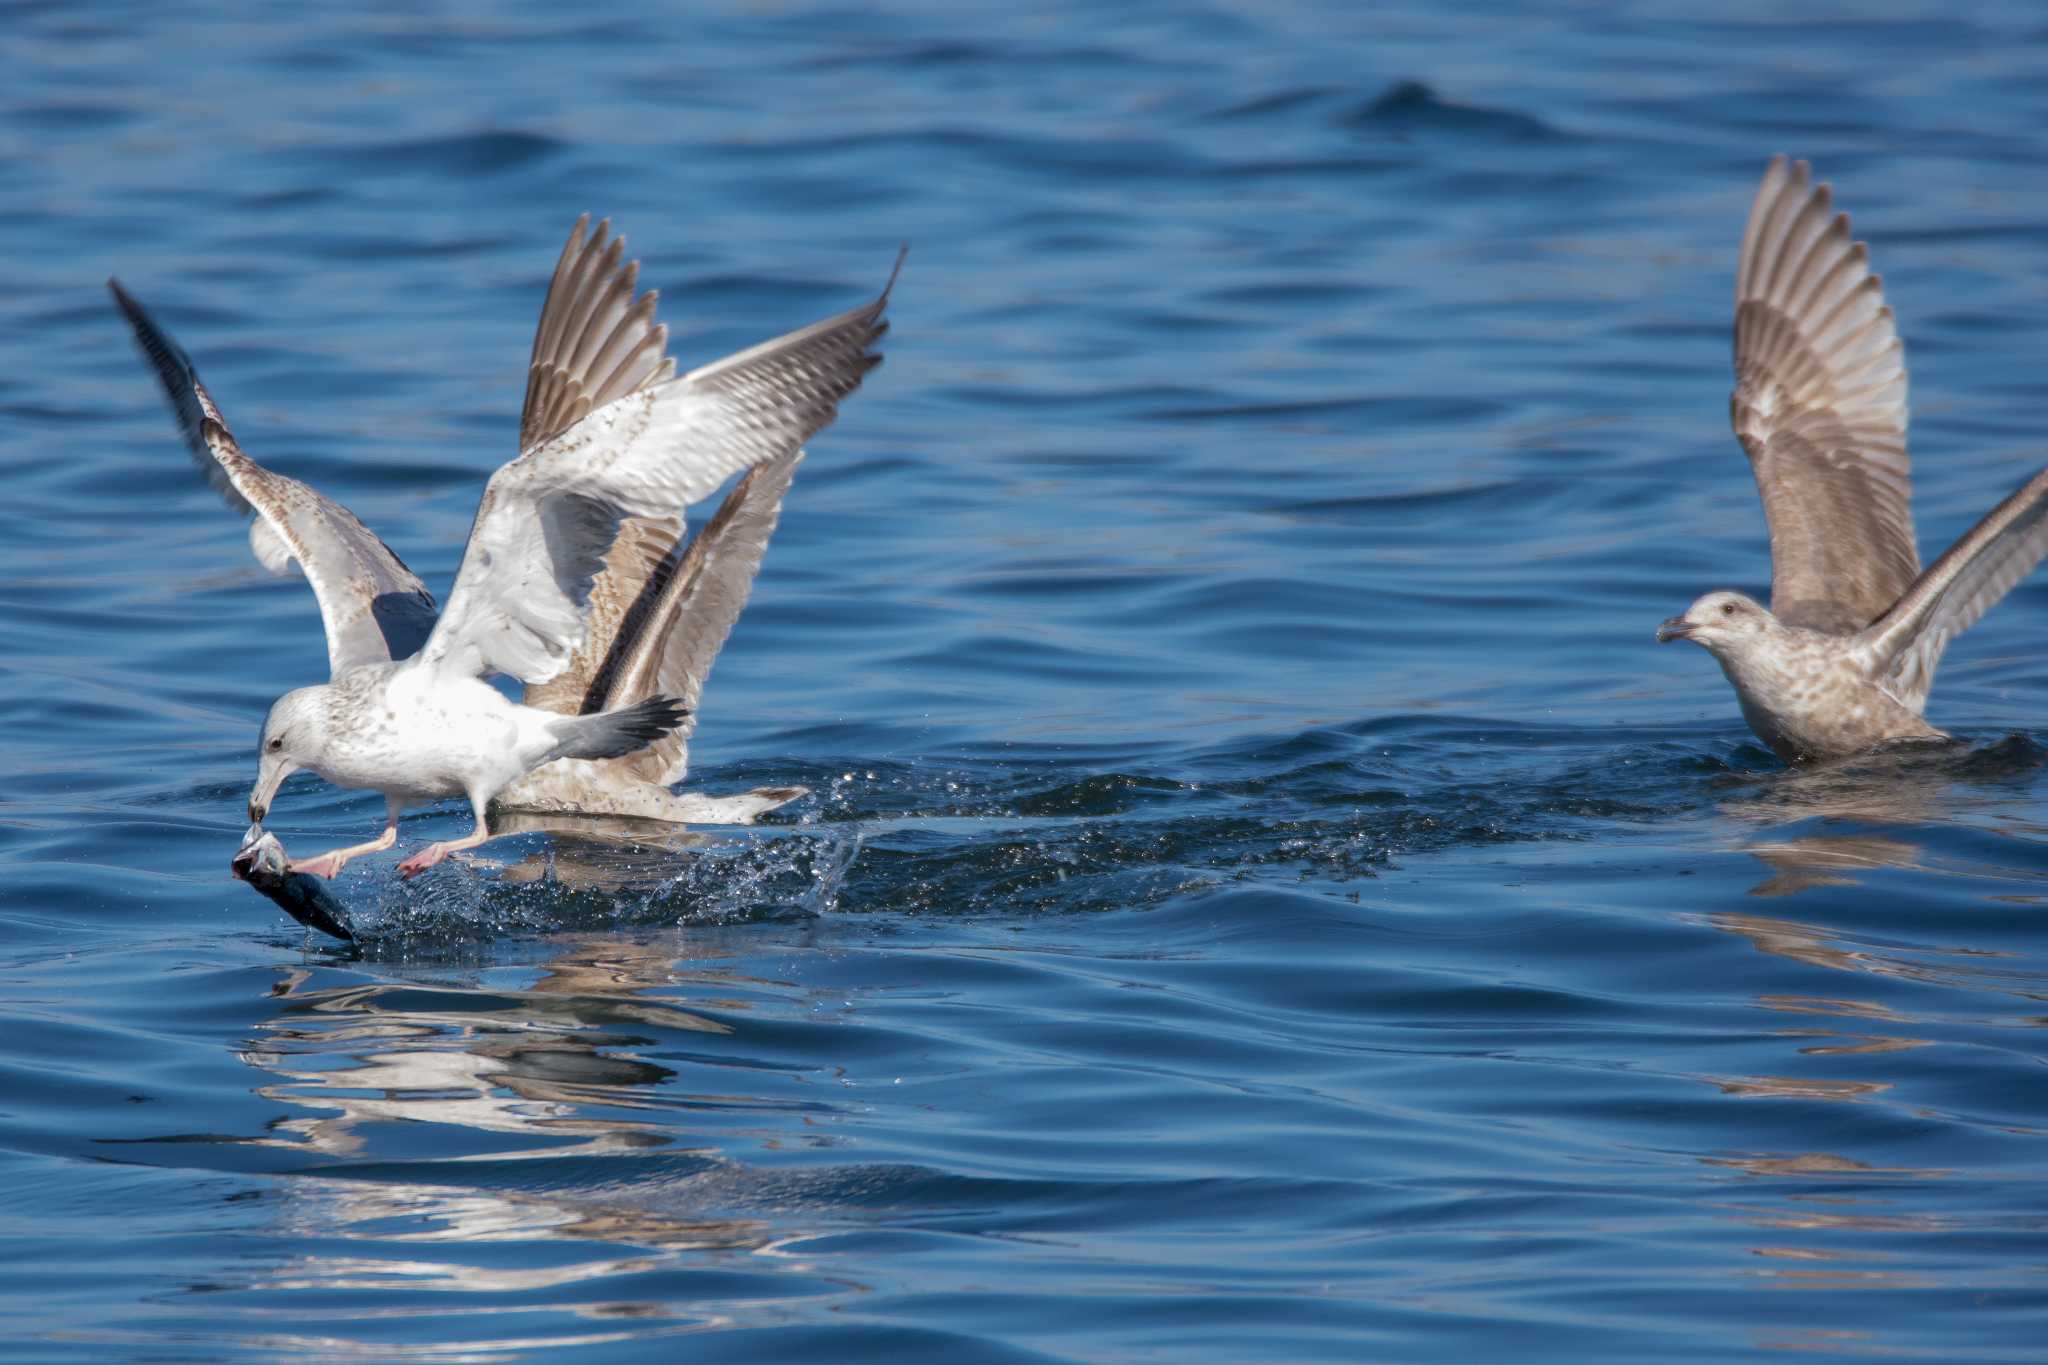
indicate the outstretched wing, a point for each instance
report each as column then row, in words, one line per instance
column 1820, row 406
column 374, row 609
column 1907, row 641
column 595, row 342
column 548, row 519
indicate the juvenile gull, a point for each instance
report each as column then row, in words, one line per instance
column 1845, row 656
column 610, row 440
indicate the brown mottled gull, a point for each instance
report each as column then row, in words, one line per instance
column 611, row 441
column 1844, row 658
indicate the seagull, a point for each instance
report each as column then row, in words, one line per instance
column 612, row 442
column 1844, row 657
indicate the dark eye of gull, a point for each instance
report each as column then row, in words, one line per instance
column 276, row 744
column 1727, row 608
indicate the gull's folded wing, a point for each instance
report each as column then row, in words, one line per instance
column 1967, row 581
column 548, row 519
column 1820, row 406
column 374, row 609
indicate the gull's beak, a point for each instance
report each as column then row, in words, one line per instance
column 268, row 780
column 1677, row 628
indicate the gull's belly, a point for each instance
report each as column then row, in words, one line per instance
column 1825, row 708
column 424, row 743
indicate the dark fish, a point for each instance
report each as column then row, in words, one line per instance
column 261, row 863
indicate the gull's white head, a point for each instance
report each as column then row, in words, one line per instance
column 294, row 736
column 1721, row 622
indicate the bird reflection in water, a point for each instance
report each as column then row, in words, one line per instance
column 1831, row 1219
column 1872, row 811
column 532, row 1061
column 598, row 853
column 551, row 1072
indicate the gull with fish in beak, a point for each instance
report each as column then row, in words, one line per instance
column 1843, row 658
column 613, row 447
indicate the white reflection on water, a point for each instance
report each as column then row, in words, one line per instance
column 542, row 1061
column 550, row 1063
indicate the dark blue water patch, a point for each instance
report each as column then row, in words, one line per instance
column 1410, row 108
column 67, row 116
column 922, row 56
column 1312, row 170
column 1176, row 835
column 374, row 247
column 480, row 153
column 280, row 201
column 1067, row 582
column 856, row 1341
column 1282, row 102
column 1399, row 411
column 1325, row 293
column 984, row 154
column 758, row 295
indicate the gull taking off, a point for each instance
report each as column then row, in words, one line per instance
column 1844, row 657
column 613, row 447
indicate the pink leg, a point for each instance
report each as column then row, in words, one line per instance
column 330, row 864
column 434, row 853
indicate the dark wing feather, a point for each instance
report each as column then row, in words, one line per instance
column 374, row 608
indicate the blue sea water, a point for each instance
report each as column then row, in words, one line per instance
column 1263, row 896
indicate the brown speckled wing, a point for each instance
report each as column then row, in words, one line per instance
column 595, row 341
column 1820, row 407
column 374, row 608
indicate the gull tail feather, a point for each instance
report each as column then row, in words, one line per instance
column 614, row 734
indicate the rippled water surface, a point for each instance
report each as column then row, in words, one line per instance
column 1263, row 893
